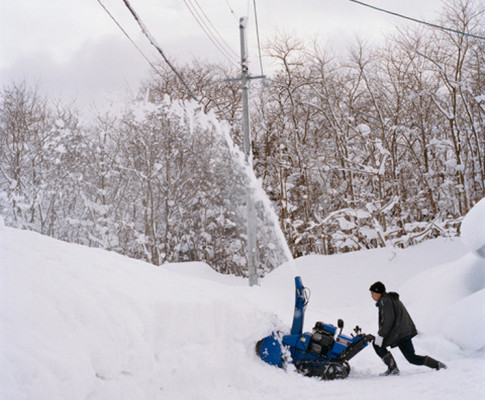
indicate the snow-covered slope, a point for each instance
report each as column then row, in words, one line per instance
column 80, row 323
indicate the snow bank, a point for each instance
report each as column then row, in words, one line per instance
column 445, row 301
column 468, row 333
column 80, row 323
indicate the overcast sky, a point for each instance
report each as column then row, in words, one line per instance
column 74, row 51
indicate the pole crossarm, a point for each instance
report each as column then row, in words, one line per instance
column 248, row 77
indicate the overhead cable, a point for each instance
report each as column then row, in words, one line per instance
column 232, row 11
column 418, row 20
column 160, row 51
column 216, row 31
column 257, row 36
column 129, row 38
column 222, row 47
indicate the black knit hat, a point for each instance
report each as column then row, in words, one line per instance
column 378, row 287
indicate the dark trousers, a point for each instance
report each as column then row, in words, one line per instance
column 407, row 349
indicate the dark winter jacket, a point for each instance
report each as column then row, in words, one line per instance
column 395, row 323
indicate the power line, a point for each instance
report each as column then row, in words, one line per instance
column 232, row 11
column 129, row 38
column 218, row 34
column 418, row 20
column 257, row 36
column 207, row 30
column 160, row 51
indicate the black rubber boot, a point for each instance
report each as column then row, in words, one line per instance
column 392, row 368
column 432, row 363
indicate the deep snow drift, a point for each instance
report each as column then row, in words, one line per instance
column 80, row 323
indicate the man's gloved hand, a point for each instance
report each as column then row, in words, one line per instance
column 378, row 341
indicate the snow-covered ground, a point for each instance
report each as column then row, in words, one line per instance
column 81, row 323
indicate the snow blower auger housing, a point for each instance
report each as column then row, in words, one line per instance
column 322, row 353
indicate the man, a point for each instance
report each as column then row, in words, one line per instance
column 396, row 329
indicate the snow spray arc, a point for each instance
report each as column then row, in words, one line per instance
column 272, row 247
column 266, row 213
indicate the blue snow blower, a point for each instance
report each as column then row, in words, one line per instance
column 322, row 353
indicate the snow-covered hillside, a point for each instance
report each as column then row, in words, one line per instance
column 81, row 323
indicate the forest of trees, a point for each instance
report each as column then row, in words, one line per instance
column 375, row 146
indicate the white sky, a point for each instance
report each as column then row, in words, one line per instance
column 73, row 50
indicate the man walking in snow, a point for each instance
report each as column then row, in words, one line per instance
column 396, row 329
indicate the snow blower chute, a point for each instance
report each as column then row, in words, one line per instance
column 322, row 353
